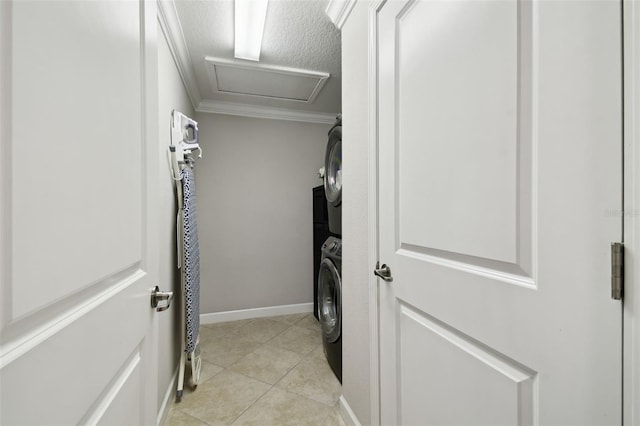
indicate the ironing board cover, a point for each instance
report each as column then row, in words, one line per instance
column 191, row 262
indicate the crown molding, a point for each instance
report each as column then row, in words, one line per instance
column 245, row 110
column 170, row 25
column 339, row 10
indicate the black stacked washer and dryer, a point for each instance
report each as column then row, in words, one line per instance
column 329, row 290
column 330, row 303
column 320, row 234
column 333, row 177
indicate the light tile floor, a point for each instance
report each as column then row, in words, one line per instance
column 266, row 371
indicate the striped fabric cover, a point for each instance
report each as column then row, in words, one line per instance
column 191, row 263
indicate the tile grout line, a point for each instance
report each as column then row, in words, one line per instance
column 310, row 356
column 197, row 418
column 303, row 357
column 263, row 344
column 251, row 405
column 271, row 386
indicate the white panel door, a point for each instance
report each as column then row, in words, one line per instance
column 79, row 259
column 499, row 179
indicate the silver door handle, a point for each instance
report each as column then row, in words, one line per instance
column 161, row 300
column 383, row 272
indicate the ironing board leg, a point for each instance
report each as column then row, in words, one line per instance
column 180, row 377
column 196, row 363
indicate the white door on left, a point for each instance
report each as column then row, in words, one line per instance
column 78, row 116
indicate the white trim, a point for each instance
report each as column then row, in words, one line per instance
column 170, row 25
column 631, row 217
column 348, row 416
column 245, row 110
column 164, row 408
column 320, row 77
column 268, row 311
column 338, row 11
column 374, row 330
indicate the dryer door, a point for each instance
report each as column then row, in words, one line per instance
column 329, row 301
column 333, row 167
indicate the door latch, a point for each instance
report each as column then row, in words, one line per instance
column 161, row 300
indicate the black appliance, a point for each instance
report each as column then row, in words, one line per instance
column 333, row 177
column 320, row 234
column 330, row 303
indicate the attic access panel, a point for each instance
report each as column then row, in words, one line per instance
column 267, row 81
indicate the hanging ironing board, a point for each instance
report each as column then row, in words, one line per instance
column 184, row 138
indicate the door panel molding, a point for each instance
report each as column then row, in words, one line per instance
column 444, row 348
column 23, row 337
column 67, row 302
column 77, row 185
column 508, row 209
column 79, row 362
column 130, row 371
column 501, row 271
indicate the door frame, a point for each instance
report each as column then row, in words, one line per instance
column 151, row 129
column 631, row 220
column 372, row 197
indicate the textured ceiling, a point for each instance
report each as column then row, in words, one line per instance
column 297, row 34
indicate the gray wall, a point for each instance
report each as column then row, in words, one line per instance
column 255, row 218
column 171, row 95
column 355, row 219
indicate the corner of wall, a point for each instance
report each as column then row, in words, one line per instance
column 172, row 94
column 355, row 220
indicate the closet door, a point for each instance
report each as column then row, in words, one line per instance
column 78, row 118
column 500, row 147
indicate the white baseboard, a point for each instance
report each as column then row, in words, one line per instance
column 269, row 311
column 164, row 408
column 348, row 416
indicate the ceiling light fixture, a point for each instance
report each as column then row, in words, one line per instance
column 250, row 16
